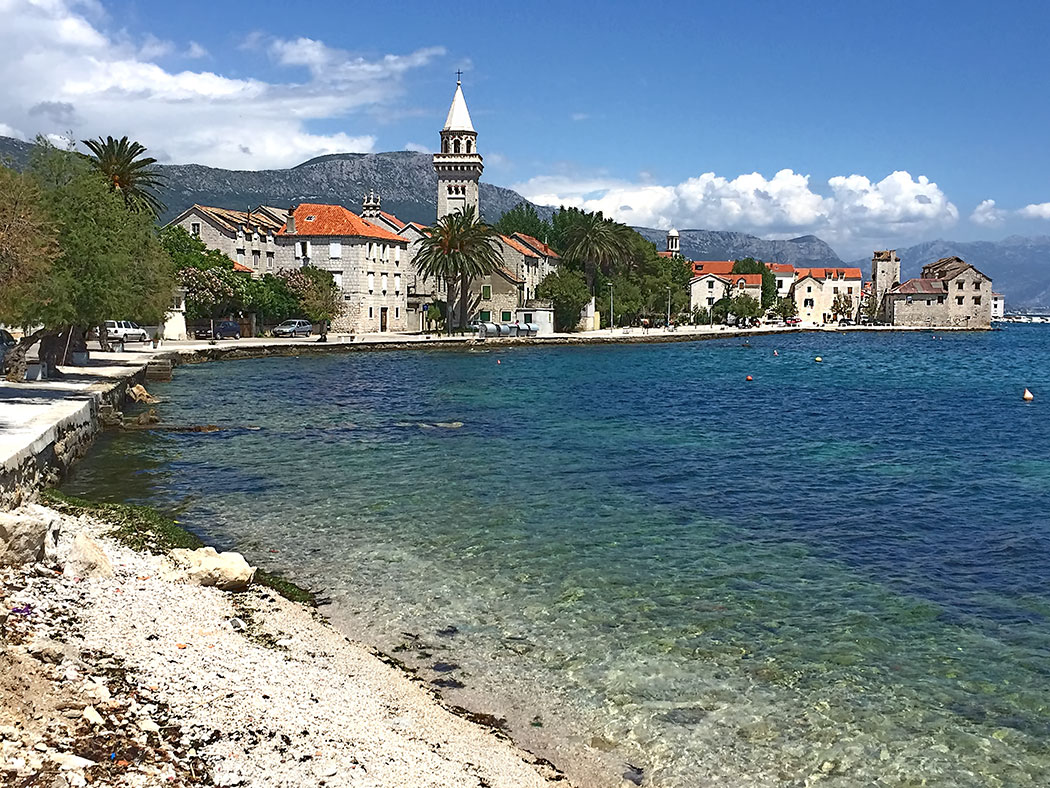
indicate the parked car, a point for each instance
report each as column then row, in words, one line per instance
column 293, row 328
column 227, row 328
column 793, row 321
column 845, row 322
column 125, row 331
column 202, row 332
column 6, row 343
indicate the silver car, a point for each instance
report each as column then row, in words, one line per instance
column 293, row 328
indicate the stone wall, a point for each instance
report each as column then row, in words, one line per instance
column 46, row 458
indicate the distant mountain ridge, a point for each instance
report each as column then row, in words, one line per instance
column 805, row 251
column 1018, row 265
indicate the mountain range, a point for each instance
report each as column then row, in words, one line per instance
column 1018, row 266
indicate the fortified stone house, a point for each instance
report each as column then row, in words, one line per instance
column 367, row 262
column 950, row 293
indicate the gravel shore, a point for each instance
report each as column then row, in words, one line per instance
column 137, row 680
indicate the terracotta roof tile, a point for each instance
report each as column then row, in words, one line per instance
column 712, row 267
column 750, row 280
column 232, row 221
column 828, row 273
column 241, row 268
column 781, row 268
column 922, row 286
column 335, row 220
column 517, row 246
column 537, row 244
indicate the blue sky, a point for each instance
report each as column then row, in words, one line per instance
column 871, row 125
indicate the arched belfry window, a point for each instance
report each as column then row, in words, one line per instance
column 455, row 145
column 444, row 146
column 469, row 146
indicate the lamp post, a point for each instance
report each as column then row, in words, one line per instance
column 610, row 307
column 668, row 323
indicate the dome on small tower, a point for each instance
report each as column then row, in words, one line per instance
column 672, row 233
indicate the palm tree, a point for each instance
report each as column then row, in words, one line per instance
column 133, row 177
column 598, row 243
column 458, row 247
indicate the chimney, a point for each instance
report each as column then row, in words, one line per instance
column 289, row 225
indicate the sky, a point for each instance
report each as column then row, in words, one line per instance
column 871, row 125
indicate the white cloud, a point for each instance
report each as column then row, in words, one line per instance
column 1036, row 211
column 987, row 215
column 11, row 131
column 415, row 146
column 854, row 213
column 578, row 116
column 95, row 83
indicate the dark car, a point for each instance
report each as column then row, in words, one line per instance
column 6, row 343
column 845, row 322
column 226, row 329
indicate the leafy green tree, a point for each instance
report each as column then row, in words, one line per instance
column 436, row 313
column 745, row 307
column 870, row 307
column 28, row 244
column 128, row 172
column 750, row 265
column 569, row 294
column 628, row 301
column 459, row 248
column 785, row 308
column 213, row 288
column 270, row 299
column 322, row 299
column 109, row 263
column 721, row 310
column 522, row 218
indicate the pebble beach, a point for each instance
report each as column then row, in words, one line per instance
column 128, row 677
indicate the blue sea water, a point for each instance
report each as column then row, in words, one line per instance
column 837, row 571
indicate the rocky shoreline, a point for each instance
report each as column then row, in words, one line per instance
column 119, row 668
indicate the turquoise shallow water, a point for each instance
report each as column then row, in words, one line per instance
column 836, row 569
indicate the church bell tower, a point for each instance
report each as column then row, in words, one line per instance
column 458, row 165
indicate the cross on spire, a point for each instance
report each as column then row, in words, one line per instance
column 459, row 77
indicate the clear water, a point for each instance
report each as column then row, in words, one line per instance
column 837, row 569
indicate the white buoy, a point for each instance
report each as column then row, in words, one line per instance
column 1028, row 396
column 818, row 359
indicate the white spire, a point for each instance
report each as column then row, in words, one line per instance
column 458, row 118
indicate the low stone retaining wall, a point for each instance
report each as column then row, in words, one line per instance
column 48, row 456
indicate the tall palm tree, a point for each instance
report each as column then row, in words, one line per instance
column 134, row 177
column 458, row 248
column 598, row 243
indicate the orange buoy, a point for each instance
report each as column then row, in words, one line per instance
column 1027, row 396
column 749, row 377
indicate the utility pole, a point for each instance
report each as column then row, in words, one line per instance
column 610, row 307
column 668, row 323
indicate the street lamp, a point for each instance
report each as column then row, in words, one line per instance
column 668, row 323
column 609, row 284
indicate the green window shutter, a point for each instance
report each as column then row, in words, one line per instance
column 486, row 317
column 486, row 292
column 505, row 317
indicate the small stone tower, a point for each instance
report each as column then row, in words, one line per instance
column 673, row 247
column 885, row 274
column 370, row 205
column 458, row 165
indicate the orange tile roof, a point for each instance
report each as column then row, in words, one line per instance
column 665, row 254
column 517, row 246
column 781, row 268
column 750, row 280
column 828, row 273
column 241, row 268
column 393, row 219
column 335, row 220
column 712, row 267
column 537, row 244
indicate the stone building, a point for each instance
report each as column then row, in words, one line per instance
column 785, row 276
column 816, row 291
column 708, row 289
column 885, row 275
column 368, row 264
column 249, row 238
column 546, row 262
column 950, row 293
